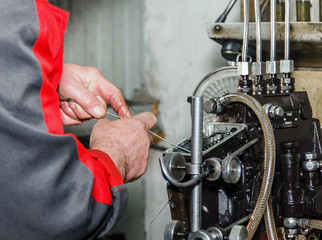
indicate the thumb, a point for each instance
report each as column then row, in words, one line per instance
column 148, row 119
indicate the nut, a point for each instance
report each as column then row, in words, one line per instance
column 310, row 165
column 272, row 67
column 290, row 222
column 286, row 66
column 310, row 156
column 243, row 68
column 259, row 68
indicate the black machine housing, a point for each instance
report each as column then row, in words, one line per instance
column 296, row 191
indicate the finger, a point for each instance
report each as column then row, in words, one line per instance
column 78, row 111
column 67, row 120
column 113, row 96
column 74, row 111
column 89, row 102
column 67, row 110
column 149, row 119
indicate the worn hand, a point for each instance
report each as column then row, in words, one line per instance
column 126, row 141
column 89, row 91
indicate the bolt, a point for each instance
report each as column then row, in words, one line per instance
column 218, row 28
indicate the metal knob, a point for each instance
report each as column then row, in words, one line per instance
column 238, row 233
column 210, row 106
column 274, row 111
column 231, row 169
column 212, row 233
column 174, row 230
column 216, row 164
column 176, row 165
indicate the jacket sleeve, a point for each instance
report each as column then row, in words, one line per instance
column 51, row 186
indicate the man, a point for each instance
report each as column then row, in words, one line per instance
column 51, row 186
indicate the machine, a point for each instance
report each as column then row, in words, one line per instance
column 252, row 167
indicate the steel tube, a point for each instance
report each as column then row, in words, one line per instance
column 246, row 31
column 273, row 34
column 258, row 31
column 287, row 30
column 196, row 159
column 223, row 16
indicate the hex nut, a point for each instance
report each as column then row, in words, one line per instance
column 310, row 156
column 272, row 67
column 259, row 68
column 286, row 66
column 243, row 68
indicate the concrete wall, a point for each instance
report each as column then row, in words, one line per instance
column 178, row 55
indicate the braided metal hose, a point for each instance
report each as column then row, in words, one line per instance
column 270, row 222
column 310, row 223
column 269, row 159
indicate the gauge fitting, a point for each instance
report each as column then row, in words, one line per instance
column 259, row 68
column 286, row 66
column 272, row 67
column 244, row 68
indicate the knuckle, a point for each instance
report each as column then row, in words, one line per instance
column 94, row 70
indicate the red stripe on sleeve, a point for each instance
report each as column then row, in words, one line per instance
column 49, row 51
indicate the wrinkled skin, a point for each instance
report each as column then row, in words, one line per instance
column 90, row 91
column 126, row 141
column 83, row 93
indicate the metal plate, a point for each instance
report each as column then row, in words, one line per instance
column 221, row 81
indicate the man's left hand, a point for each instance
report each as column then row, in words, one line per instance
column 83, row 93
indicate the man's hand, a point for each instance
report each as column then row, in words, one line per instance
column 90, row 91
column 126, row 141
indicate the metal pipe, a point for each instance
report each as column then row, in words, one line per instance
column 287, row 30
column 223, row 16
column 273, row 34
column 246, row 31
column 258, row 32
column 240, row 221
column 196, row 159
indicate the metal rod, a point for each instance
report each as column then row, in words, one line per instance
column 258, row 32
column 240, row 221
column 273, row 35
column 223, row 16
column 246, row 30
column 244, row 147
column 152, row 133
column 196, row 159
column 287, row 30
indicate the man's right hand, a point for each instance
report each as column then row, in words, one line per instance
column 126, row 141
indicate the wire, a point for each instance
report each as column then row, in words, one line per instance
column 156, row 135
